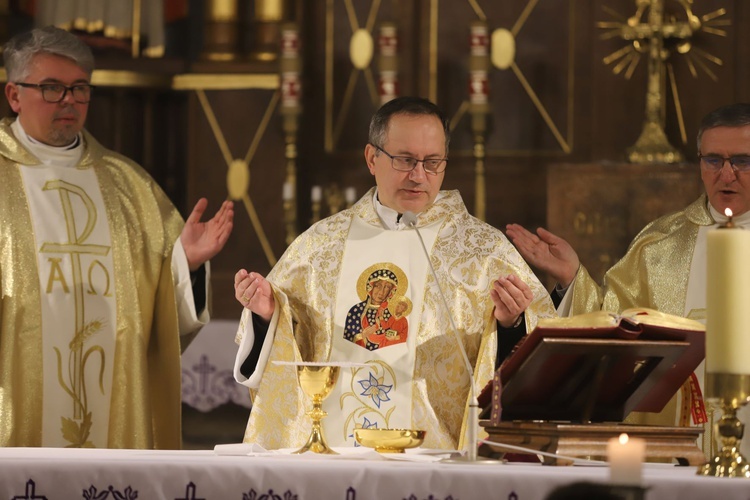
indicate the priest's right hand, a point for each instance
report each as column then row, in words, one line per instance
column 254, row 292
column 547, row 252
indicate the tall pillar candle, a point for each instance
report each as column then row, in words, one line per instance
column 728, row 301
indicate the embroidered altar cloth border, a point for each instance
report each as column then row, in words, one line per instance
column 51, row 473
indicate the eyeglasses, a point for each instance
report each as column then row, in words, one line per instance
column 739, row 163
column 432, row 166
column 56, row 92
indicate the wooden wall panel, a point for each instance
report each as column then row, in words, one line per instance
column 559, row 73
column 239, row 114
column 561, row 104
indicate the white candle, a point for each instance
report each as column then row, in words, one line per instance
column 625, row 456
column 727, row 301
column 316, row 194
column 288, row 191
column 350, row 195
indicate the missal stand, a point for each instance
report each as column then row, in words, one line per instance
column 569, row 385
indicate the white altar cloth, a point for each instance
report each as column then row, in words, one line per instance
column 47, row 474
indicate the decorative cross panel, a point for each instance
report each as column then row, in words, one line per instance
column 361, row 51
column 501, row 48
column 238, row 169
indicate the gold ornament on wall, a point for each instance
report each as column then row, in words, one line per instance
column 657, row 35
column 268, row 16
column 361, row 56
column 221, row 31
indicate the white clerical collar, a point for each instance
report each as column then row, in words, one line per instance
column 52, row 156
column 742, row 220
column 390, row 218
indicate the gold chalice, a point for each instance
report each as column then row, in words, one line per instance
column 317, row 380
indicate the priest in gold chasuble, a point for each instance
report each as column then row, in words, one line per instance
column 96, row 269
column 665, row 265
column 357, row 287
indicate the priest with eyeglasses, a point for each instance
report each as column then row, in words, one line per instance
column 101, row 281
column 665, row 265
column 357, row 287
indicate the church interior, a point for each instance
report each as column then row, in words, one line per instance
column 576, row 115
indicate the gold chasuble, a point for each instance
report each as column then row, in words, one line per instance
column 89, row 341
column 350, row 290
column 663, row 269
column 654, row 272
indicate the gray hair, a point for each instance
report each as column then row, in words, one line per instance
column 404, row 106
column 21, row 49
column 731, row 115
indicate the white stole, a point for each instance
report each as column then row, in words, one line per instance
column 379, row 395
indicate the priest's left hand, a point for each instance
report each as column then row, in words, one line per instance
column 203, row 240
column 511, row 297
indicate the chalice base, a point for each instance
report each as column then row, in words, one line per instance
column 316, row 443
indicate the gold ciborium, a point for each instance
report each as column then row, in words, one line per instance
column 317, row 380
column 389, row 440
column 729, row 392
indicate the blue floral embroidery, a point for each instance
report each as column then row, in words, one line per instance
column 372, row 389
column 369, row 425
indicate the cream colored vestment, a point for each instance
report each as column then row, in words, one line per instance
column 308, row 284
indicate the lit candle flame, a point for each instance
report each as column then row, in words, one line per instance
column 728, row 212
column 623, row 438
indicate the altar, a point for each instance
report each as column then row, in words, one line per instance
column 47, row 473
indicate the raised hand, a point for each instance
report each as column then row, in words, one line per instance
column 511, row 297
column 203, row 240
column 254, row 292
column 546, row 251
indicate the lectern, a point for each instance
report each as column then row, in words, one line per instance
column 570, row 384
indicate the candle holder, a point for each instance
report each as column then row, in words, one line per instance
column 628, row 492
column 334, row 198
column 589, row 489
column 729, row 391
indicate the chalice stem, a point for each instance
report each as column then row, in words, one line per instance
column 317, row 382
column 317, row 442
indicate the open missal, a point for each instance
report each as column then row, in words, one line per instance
column 595, row 367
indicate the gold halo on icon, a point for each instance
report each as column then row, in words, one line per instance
column 402, row 285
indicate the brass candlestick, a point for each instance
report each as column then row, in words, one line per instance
column 334, row 198
column 290, row 67
column 729, row 391
column 479, row 108
column 317, row 381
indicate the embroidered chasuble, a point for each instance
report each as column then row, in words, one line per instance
column 350, row 290
column 664, row 269
column 89, row 341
